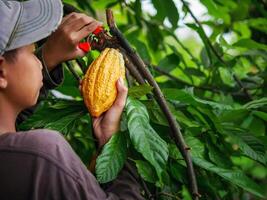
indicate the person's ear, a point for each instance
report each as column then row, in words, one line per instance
column 3, row 80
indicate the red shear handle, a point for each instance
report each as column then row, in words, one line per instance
column 85, row 46
column 98, row 30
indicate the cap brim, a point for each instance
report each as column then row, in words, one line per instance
column 39, row 18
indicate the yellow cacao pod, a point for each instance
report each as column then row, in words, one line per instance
column 99, row 84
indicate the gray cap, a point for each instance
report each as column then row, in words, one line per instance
column 23, row 23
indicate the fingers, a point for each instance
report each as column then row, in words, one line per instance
column 121, row 97
column 86, row 30
column 76, row 21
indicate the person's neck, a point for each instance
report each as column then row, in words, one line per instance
column 8, row 115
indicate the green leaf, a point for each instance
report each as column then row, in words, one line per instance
column 196, row 146
column 70, row 85
column 260, row 114
column 166, row 9
column 203, row 37
column 112, row 158
column 139, row 91
column 144, row 138
column 155, row 113
column 216, row 10
column 248, row 144
column 236, row 177
column 205, row 57
column 154, row 36
column 141, row 47
column 178, row 172
column 258, row 23
column 181, row 118
column 61, row 116
column 171, row 12
column 174, row 152
column 170, row 62
column 237, row 115
column 256, row 103
column 217, row 156
column 193, row 71
column 146, row 171
column 188, row 98
column 250, row 44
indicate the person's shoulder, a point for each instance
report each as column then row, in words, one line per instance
column 45, row 144
column 42, row 137
column 37, row 138
column 39, row 141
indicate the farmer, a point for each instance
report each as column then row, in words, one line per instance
column 40, row 164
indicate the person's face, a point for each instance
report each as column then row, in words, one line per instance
column 21, row 78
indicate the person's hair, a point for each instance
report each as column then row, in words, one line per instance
column 11, row 55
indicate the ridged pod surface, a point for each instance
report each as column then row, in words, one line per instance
column 99, row 83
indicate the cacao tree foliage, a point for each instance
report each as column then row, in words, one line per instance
column 204, row 72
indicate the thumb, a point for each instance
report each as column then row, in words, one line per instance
column 79, row 52
column 122, row 94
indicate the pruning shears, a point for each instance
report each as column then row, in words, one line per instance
column 87, row 46
column 99, row 40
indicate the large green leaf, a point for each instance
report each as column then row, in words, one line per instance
column 217, row 10
column 61, row 116
column 144, row 137
column 139, row 91
column 248, row 144
column 169, row 62
column 187, row 97
column 146, row 170
column 236, row 177
column 256, row 103
column 112, row 158
column 166, row 9
column 250, row 44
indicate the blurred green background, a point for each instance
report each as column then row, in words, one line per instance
column 209, row 58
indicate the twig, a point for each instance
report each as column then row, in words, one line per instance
column 133, row 173
column 80, row 64
column 134, row 72
column 169, row 195
column 194, row 59
column 176, row 133
column 72, row 70
column 129, row 78
column 240, row 84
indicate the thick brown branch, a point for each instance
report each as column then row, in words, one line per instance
column 134, row 72
column 175, row 129
column 170, row 31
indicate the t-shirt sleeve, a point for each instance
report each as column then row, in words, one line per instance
column 59, row 171
column 85, row 185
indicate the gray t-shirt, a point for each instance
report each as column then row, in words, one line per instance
column 40, row 164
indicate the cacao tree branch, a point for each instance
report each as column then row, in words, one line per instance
column 238, row 81
column 175, row 128
column 168, row 195
column 134, row 72
column 170, row 31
